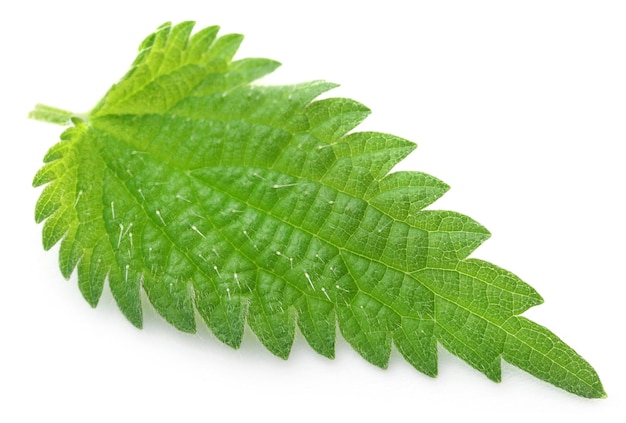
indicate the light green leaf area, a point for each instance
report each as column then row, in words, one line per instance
column 259, row 205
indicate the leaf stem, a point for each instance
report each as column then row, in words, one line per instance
column 52, row 115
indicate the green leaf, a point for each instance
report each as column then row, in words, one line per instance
column 257, row 204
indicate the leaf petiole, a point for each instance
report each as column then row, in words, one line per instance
column 54, row 115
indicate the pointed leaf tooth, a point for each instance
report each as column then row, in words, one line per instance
column 149, row 50
column 223, row 303
column 470, row 337
column 58, row 150
column 504, row 293
column 367, row 325
column 241, row 72
column 363, row 157
column 142, row 56
column 223, row 49
column 226, row 318
column 55, row 227
column 332, row 118
column 200, row 43
column 173, row 51
column 48, row 173
column 124, row 282
column 247, row 70
column 180, row 36
column 416, row 341
column 480, row 288
column 285, row 101
column 271, row 106
column 50, row 200
column 145, row 45
column 162, row 35
column 451, row 236
column 171, row 298
column 317, row 322
column 295, row 96
column 255, row 68
column 92, row 271
column 71, row 133
column 271, row 320
column 70, row 253
column 402, row 194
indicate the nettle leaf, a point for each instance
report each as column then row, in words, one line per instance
column 257, row 204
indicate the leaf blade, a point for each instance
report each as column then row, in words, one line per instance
column 261, row 205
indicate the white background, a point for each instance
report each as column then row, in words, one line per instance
column 519, row 106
